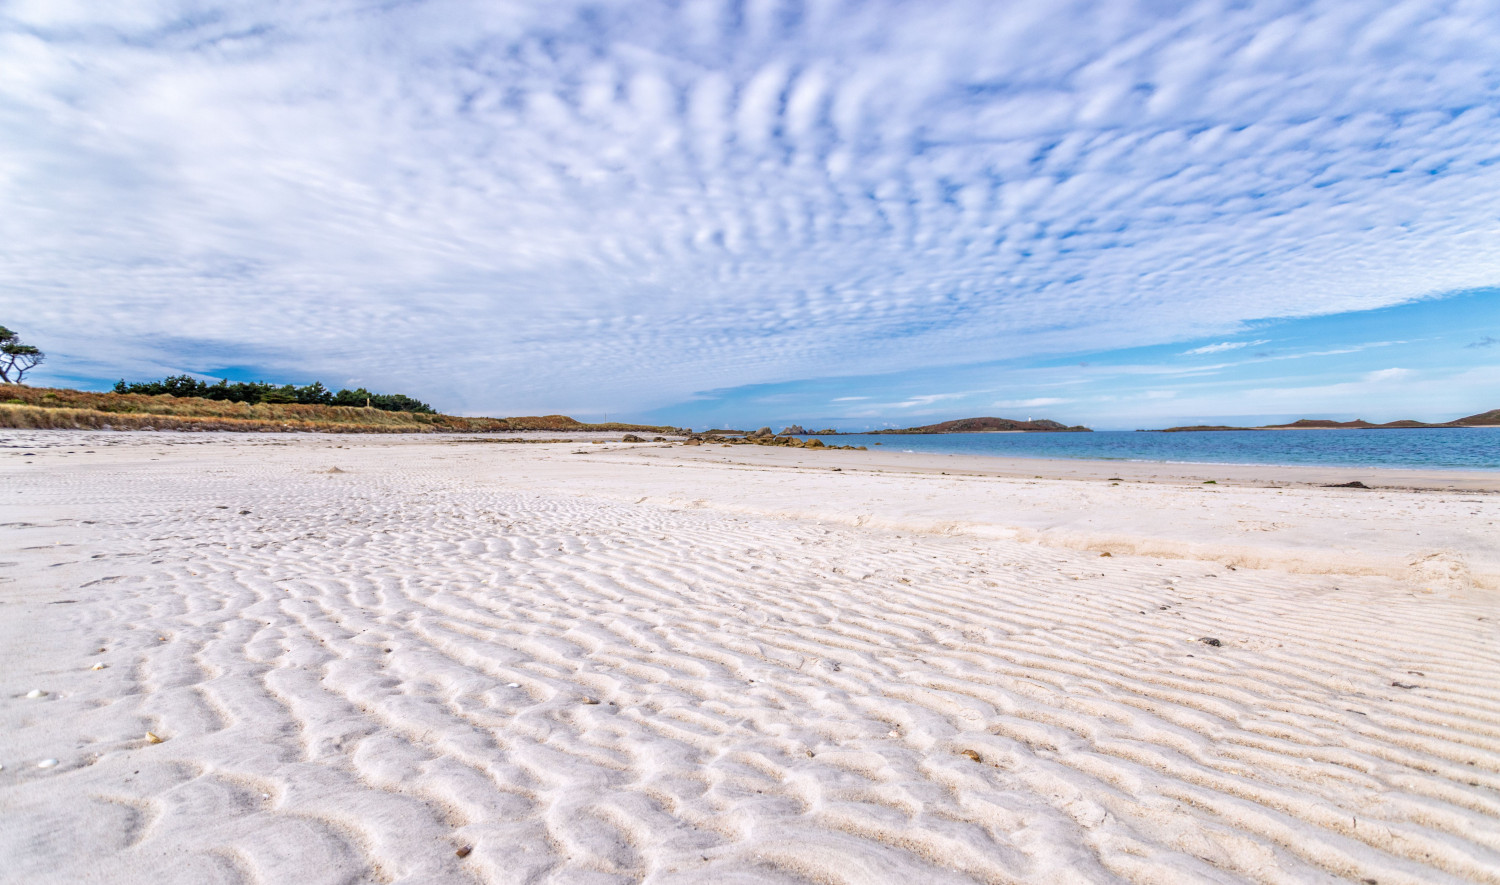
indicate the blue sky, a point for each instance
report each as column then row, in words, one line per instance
column 858, row 213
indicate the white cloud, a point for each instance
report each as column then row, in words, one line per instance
column 1223, row 346
column 1032, row 403
column 510, row 207
column 1380, row 376
column 928, row 399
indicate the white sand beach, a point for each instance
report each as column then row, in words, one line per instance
column 429, row 659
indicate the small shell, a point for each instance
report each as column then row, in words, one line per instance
column 99, row 666
column 47, row 763
column 151, row 738
column 512, row 685
column 36, row 693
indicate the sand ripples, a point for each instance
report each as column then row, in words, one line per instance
column 366, row 672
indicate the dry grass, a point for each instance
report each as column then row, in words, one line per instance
column 58, row 409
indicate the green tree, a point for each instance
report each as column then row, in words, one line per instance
column 16, row 359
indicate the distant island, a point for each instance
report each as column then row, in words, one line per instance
column 991, row 425
column 1483, row 419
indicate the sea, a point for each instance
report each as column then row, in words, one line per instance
column 1455, row 448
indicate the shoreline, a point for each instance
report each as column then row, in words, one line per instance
column 1176, row 472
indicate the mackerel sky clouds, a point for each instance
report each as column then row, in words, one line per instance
column 858, row 211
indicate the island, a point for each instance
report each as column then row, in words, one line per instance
column 990, row 425
column 1483, row 419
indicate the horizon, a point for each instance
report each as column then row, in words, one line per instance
column 716, row 214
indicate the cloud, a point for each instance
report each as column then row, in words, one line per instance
column 1380, row 376
column 849, row 399
column 1223, row 346
column 1486, row 341
column 606, row 208
column 926, row 400
column 1032, row 403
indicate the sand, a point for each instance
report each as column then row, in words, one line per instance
column 432, row 660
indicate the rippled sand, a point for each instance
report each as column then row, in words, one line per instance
column 631, row 665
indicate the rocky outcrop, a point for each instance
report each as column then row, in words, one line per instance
column 787, row 441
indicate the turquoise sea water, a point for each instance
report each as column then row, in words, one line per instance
column 1473, row 448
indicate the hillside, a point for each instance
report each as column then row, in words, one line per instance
column 991, row 425
column 1483, row 419
column 59, row 409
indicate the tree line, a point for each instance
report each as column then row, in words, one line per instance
column 314, row 394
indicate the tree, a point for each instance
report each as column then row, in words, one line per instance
column 16, row 359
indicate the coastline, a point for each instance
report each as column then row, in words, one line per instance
column 1001, row 465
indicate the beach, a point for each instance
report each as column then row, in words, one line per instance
column 322, row 658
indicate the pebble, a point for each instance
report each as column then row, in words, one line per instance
column 47, row 763
column 36, row 693
column 512, row 685
column 99, row 666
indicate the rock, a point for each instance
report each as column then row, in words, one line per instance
column 693, row 442
column 464, row 851
column 814, row 444
column 659, row 439
column 1347, row 485
column 763, row 433
column 630, row 437
column 1209, row 640
column 794, row 430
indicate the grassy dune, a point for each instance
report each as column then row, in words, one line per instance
column 61, row 409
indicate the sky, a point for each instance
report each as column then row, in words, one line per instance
column 856, row 214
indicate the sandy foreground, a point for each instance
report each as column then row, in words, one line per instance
column 391, row 659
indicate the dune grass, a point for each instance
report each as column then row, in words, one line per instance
column 52, row 408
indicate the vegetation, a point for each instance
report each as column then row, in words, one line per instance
column 992, row 425
column 314, row 394
column 16, row 359
column 53, row 408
